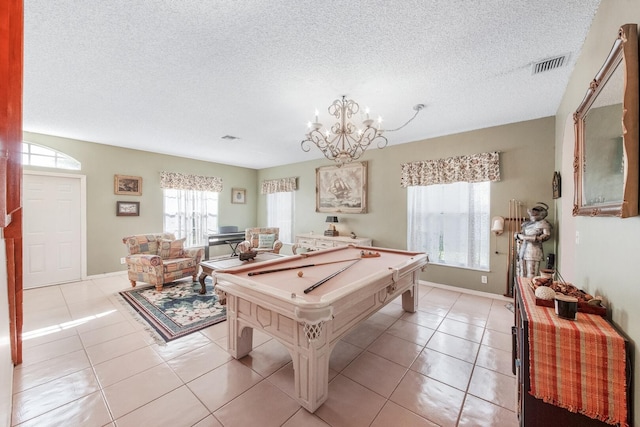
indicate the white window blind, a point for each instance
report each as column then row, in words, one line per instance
column 190, row 213
column 280, row 211
column 450, row 222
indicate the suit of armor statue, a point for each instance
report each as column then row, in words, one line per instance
column 532, row 234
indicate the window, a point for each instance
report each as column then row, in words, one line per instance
column 190, row 213
column 280, row 209
column 450, row 222
column 37, row 155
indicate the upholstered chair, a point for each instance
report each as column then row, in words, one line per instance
column 261, row 239
column 159, row 258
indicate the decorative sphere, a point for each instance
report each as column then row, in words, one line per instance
column 545, row 292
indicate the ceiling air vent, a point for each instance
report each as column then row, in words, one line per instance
column 229, row 137
column 549, row 64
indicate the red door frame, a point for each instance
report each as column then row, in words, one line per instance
column 11, row 72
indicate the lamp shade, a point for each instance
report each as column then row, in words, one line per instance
column 332, row 219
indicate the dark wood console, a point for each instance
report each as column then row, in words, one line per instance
column 534, row 411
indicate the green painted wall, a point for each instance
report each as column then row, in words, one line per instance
column 105, row 230
column 527, row 165
column 602, row 260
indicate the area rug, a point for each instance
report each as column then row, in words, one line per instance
column 178, row 310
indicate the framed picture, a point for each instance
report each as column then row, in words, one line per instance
column 556, row 185
column 128, row 185
column 342, row 189
column 238, row 195
column 127, row 208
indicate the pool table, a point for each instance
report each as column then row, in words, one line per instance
column 355, row 282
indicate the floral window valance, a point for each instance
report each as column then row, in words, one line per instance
column 182, row 181
column 474, row 168
column 280, row 185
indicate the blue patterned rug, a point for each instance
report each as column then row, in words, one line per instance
column 178, row 310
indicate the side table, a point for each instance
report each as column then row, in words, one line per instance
column 221, row 263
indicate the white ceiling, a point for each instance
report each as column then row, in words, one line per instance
column 174, row 77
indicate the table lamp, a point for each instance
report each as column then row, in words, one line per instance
column 331, row 231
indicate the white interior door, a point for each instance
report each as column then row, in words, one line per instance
column 53, row 228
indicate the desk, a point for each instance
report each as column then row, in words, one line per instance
column 310, row 325
column 226, row 262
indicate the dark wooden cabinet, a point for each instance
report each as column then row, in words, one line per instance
column 531, row 410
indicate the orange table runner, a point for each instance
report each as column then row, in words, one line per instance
column 576, row 364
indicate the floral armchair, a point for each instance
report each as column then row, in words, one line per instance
column 261, row 239
column 160, row 258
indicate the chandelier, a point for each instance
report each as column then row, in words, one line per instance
column 345, row 142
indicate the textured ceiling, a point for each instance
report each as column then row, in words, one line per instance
column 174, row 77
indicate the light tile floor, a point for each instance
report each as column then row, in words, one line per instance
column 89, row 362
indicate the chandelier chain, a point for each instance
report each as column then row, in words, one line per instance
column 418, row 108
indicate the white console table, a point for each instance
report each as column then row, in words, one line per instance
column 314, row 242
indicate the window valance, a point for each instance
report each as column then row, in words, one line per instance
column 279, row 185
column 182, row 181
column 473, row 168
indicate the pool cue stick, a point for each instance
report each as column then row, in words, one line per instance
column 510, row 237
column 329, row 277
column 275, row 270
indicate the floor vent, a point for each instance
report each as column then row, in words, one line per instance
column 550, row 64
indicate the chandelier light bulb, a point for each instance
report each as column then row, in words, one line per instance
column 344, row 142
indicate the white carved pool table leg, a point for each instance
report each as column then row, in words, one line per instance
column 410, row 298
column 240, row 337
column 311, row 367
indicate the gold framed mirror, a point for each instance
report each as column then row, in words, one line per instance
column 606, row 151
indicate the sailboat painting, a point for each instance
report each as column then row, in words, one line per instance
column 342, row 189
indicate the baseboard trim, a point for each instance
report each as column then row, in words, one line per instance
column 466, row 291
column 101, row 275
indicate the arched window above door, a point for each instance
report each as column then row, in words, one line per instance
column 38, row 155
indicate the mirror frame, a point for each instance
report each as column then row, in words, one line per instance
column 624, row 52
